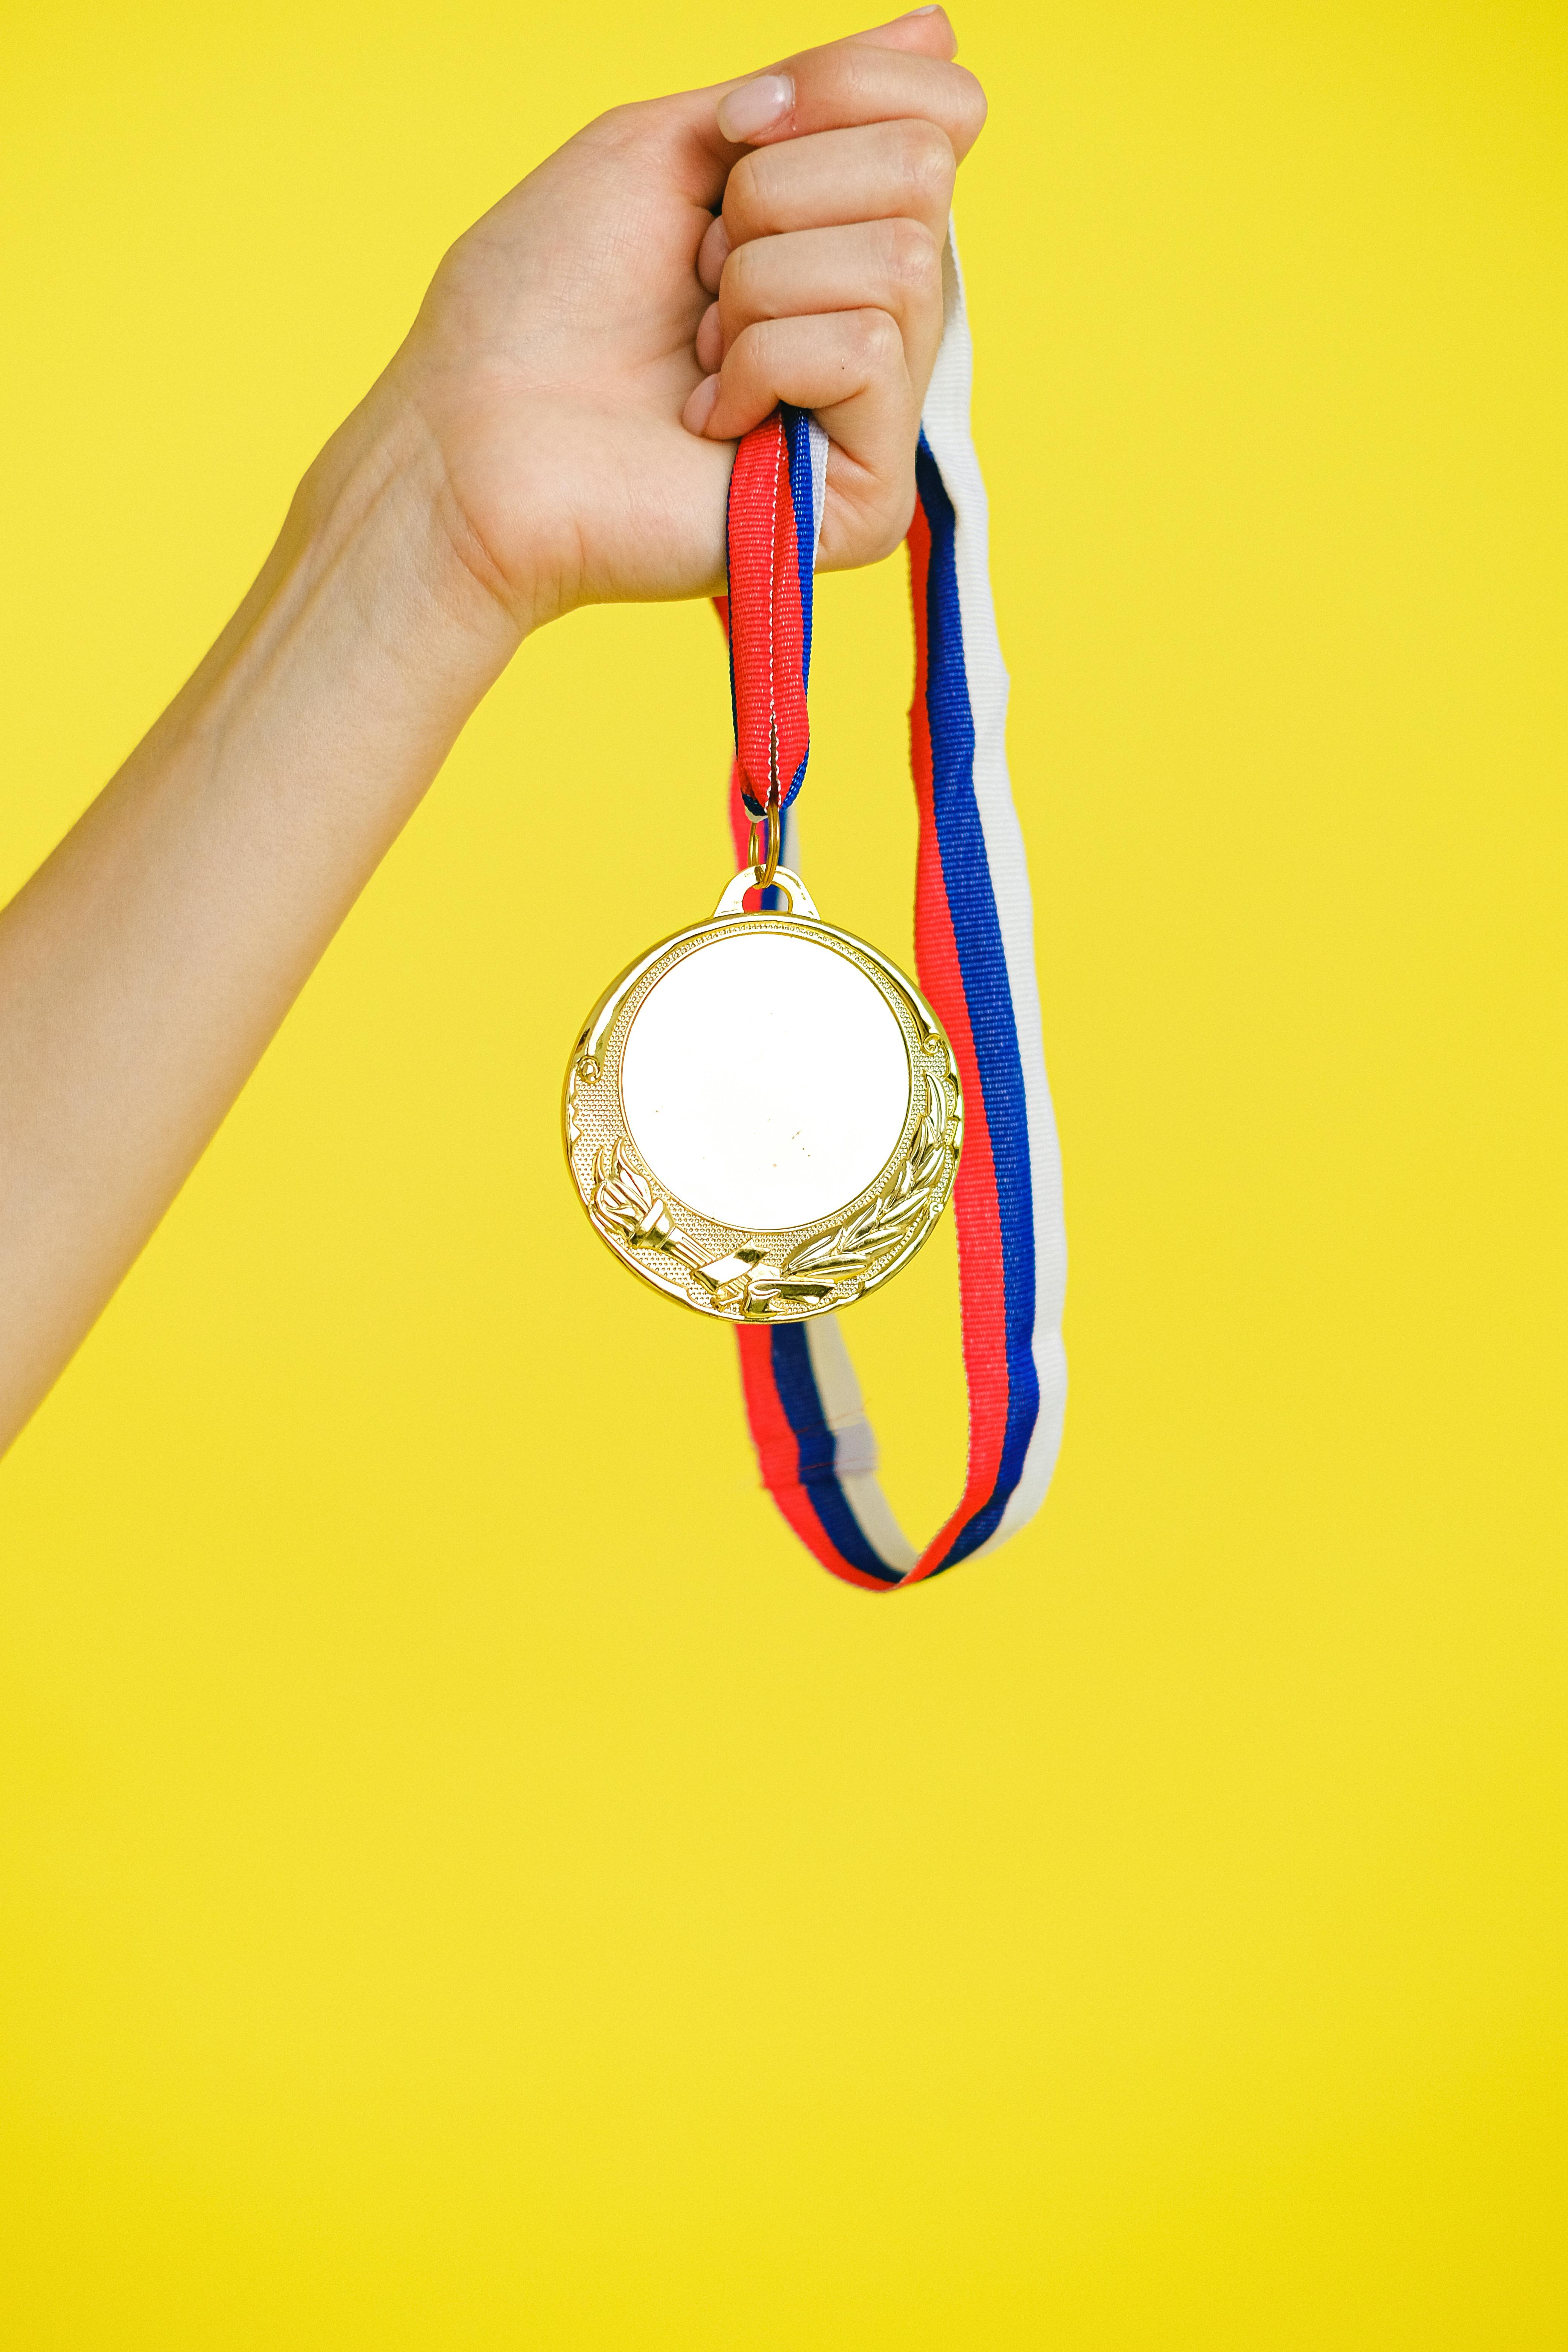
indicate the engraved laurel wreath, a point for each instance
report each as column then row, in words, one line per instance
column 624, row 1205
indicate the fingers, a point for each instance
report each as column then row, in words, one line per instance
column 852, row 82
column 900, row 70
column 887, row 265
column 886, row 171
column 875, row 172
column 815, row 159
column 826, row 260
column 928, row 30
column 849, row 367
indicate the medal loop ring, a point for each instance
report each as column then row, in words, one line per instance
column 771, row 827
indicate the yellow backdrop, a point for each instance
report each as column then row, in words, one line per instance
column 470, row 1879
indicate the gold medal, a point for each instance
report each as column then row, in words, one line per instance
column 762, row 1114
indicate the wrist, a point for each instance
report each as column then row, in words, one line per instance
column 359, row 654
column 375, row 517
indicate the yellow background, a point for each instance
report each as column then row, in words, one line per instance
column 470, row 1879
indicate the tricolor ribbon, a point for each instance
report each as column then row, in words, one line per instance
column 975, row 957
column 775, row 498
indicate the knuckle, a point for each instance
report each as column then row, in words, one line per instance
column 621, row 126
column 875, row 340
column 974, row 106
column 912, row 256
column 878, row 531
column 929, row 164
column 887, row 539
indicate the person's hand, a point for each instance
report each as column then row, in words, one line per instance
column 576, row 386
column 557, row 429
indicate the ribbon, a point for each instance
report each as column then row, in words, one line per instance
column 974, row 958
column 771, row 557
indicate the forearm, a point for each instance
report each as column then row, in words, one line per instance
column 145, row 966
column 555, row 430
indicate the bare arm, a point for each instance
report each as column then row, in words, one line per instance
column 555, row 431
column 145, row 966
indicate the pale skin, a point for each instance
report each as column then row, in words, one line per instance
column 557, row 430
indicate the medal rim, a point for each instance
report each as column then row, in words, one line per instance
column 934, row 1060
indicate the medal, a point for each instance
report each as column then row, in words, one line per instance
column 764, row 1117
column 772, row 1163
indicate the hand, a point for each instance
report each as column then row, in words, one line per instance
column 580, row 388
column 556, row 429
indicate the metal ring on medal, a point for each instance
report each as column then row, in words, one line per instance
column 762, row 1116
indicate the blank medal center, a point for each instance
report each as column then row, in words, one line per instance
column 765, row 1080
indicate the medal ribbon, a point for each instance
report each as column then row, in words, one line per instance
column 975, row 957
column 771, row 557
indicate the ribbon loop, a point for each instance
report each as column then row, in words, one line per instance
column 974, row 956
column 771, row 555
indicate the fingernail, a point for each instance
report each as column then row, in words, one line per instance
column 756, row 106
column 700, row 405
